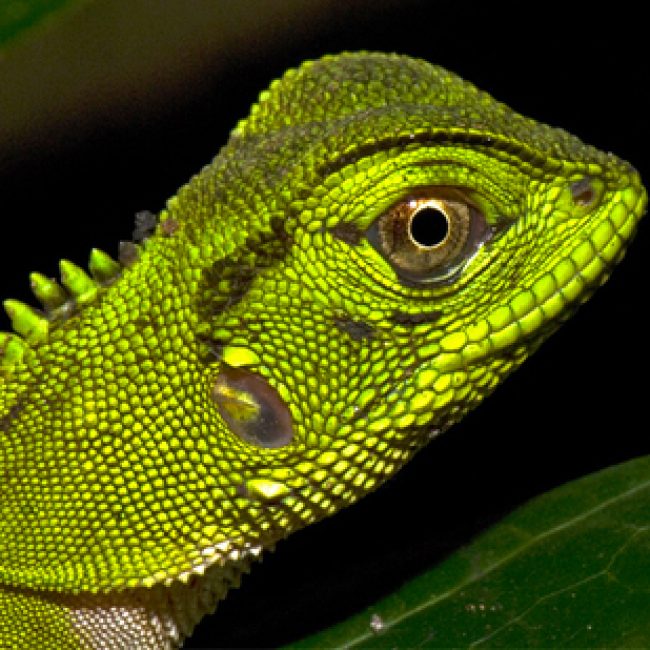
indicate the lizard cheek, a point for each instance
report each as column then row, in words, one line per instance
column 252, row 408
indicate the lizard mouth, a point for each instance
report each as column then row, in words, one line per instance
column 552, row 297
column 571, row 280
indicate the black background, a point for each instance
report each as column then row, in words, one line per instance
column 575, row 407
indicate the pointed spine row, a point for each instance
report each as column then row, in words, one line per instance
column 77, row 288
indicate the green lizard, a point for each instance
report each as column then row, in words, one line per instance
column 375, row 248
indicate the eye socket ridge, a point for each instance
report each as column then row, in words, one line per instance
column 429, row 237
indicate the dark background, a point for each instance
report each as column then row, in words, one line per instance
column 76, row 180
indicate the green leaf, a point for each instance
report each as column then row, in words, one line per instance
column 569, row 569
column 18, row 16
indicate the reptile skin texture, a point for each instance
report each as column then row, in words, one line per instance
column 376, row 247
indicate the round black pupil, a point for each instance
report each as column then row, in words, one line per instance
column 429, row 226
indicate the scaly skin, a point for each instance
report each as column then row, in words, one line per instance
column 268, row 360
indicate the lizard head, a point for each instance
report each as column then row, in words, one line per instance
column 404, row 243
column 377, row 246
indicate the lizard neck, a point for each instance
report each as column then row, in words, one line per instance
column 159, row 617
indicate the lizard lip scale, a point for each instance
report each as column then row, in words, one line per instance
column 570, row 278
column 375, row 248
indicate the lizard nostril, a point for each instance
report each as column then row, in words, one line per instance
column 583, row 192
column 252, row 408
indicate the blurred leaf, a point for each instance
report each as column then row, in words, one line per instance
column 570, row 568
column 18, row 16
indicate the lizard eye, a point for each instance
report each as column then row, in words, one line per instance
column 429, row 238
